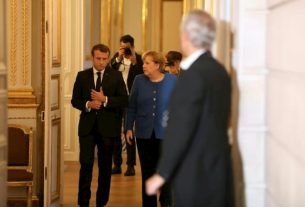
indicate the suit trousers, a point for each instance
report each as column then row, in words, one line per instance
column 117, row 153
column 104, row 153
column 149, row 152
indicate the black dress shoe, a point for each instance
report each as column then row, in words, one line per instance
column 116, row 170
column 130, row 171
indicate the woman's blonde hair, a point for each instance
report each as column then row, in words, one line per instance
column 157, row 58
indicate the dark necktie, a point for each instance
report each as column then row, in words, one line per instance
column 98, row 82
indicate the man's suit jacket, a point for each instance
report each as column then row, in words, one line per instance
column 109, row 118
column 133, row 71
column 195, row 153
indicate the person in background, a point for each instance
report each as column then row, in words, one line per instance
column 148, row 102
column 173, row 59
column 130, row 64
column 100, row 94
column 196, row 151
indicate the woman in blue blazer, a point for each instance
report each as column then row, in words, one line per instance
column 147, row 110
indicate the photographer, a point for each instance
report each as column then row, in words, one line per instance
column 130, row 64
column 172, row 65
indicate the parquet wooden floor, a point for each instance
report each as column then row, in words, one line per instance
column 125, row 191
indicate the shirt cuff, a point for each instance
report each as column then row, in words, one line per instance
column 87, row 108
column 117, row 60
column 106, row 101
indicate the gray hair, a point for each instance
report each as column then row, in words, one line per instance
column 200, row 28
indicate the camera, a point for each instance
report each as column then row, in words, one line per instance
column 127, row 51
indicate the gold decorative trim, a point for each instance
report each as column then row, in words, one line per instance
column 105, row 30
column 91, row 27
column 19, row 101
column 88, row 55
column 21, row 96
column 13, row 43
column 23, row 106
column 121, row 17
column 25, row 39
column 109, row 22
column 199, row 4
column 162, row 18
column 56, row 60
column 144, row 24
column 20, row 93
column 43, row 51
column 185, row 6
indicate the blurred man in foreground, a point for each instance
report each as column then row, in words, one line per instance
column 195, row 153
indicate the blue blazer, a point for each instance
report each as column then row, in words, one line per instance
column 148, row 101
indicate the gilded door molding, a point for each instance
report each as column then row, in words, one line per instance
column 19, row 61
column 56, row 29
column 144, row 24
column 13, row 43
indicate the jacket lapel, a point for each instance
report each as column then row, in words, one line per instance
column 91, row 78
column 105, row 77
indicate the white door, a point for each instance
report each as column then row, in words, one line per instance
column 53, row 161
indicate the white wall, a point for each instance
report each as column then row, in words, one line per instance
column 72, row 62
column 286, row 103
column 249, row 63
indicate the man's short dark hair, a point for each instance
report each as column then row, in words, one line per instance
column 127, row 39
column 101, row 48
column 172, row 56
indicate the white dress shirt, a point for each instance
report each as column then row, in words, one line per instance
column 187, row 62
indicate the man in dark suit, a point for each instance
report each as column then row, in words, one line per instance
column 130, row 64
column 196, row 152
column 100, row 94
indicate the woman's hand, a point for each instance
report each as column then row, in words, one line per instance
column 129, row 136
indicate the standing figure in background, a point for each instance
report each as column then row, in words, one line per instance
column 172, row 65
column 130, row 64
column 148, row 103
column 196, row 151
column 100, row 94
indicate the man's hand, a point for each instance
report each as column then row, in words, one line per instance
column 133, row 57
column 98, row 96
column 129, row 136
column 153, row 184
column 94, row 105
column 121, row 54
